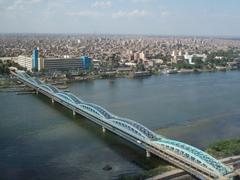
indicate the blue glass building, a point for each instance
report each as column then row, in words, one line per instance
column 35, row 59
column 86, row 62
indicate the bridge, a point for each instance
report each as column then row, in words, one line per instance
column 191, row 159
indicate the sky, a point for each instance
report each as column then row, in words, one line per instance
column 151, row 17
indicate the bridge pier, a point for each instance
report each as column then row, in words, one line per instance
column 36, row 92
column 148, row 154
column 74, row 113
column 103, row 129
column 52, row 101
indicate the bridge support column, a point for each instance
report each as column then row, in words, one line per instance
column 103, row 129
column 74, row 113
column 36, row 92
column 148, row 155
column 52, row 101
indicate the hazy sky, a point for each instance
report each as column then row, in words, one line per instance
column 161, row 17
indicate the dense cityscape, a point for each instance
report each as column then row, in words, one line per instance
column 119, row 54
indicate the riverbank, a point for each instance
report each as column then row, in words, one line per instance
column 6, row 82
column 225, row 148
column 114, row 75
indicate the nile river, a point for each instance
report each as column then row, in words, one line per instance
column 39, row 140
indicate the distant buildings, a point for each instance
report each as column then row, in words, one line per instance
column 154, row 52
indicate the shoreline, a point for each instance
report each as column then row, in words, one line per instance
column 7, row 82
column 98, row 77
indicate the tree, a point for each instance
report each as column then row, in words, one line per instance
column 140, row 67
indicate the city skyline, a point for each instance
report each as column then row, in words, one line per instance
column 153, row 17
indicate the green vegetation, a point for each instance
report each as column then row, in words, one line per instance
column 183, row 66
column 225, row 148
column 140, row 67
column 227, row 56
column 4, row 65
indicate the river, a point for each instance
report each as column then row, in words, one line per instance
column 39, row 140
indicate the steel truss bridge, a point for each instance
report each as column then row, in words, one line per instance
column 184, row 156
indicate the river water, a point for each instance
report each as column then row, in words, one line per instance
column 39, row 140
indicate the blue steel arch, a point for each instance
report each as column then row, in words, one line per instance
column 37, row 81
column 25, row 76
column 195, row 155
column 147, row 132
column 70, row 97
column 45, row 87
column 101, row 110
column 90, row 110
column 65, row 97
column 20, row 74
column 33, row 81
column 129, row 128
column 74, row 98
column 50, row 88
column 54, row 89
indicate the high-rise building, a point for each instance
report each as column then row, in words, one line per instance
column 86, row 61
column 62, row 64
column 35, row 59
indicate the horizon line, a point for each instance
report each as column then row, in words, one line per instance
column 122, row 34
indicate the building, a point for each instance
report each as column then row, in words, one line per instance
column 190, row 57
column 136, row 56
column 29, row 63
column 62, row 64
column 40, row 64
column 86, row 62
column 35, row 59
column 24, row 61
column 142, row 56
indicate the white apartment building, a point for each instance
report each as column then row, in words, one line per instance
column 24, row 61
